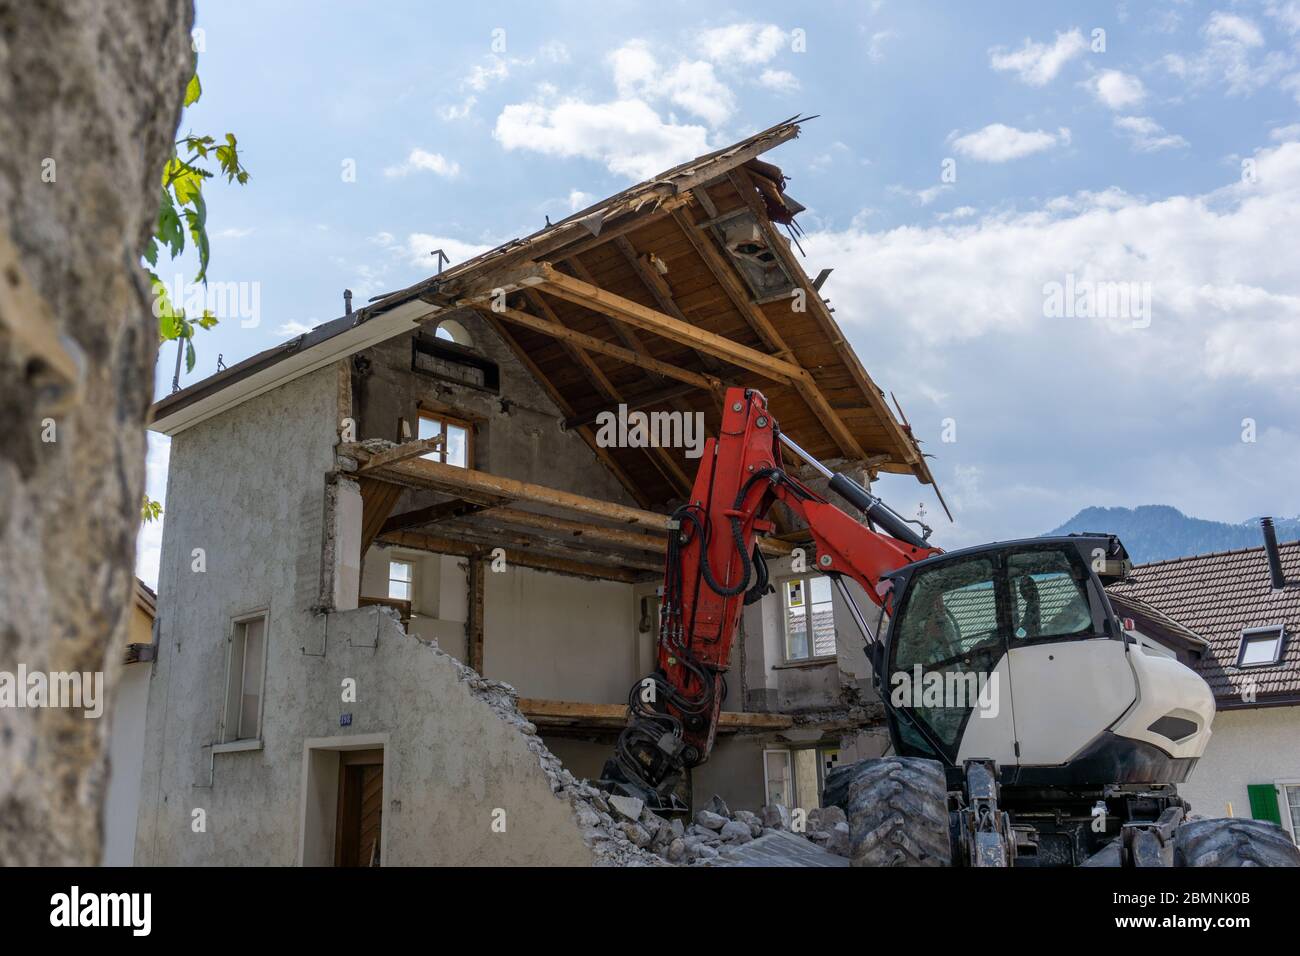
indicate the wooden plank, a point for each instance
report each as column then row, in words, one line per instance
column 474, row 617
column 456, row 508
column 421, row 541
column 739, row 295
column 740, row 179
column 539, row 710
column 587, row 435
column 410, row 449
column 377, row 500
column 659, row 457
column 593, row 344
column 652, row 320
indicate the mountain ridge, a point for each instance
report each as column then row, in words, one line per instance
column 1161, row 532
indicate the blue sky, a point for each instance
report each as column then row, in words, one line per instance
column 1162, row 153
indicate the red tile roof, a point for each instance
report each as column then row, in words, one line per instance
column 1217, row 596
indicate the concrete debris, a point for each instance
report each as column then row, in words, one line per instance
column 627, row 807
column 776, row 816
column 710, row 820
column 716, row 805
column 716, row 840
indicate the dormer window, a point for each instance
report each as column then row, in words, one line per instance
column 1260, row 646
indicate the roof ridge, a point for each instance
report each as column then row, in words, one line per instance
column 1215, row 554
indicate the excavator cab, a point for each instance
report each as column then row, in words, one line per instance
column 1012, row 652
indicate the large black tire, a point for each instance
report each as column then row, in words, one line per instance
column 897, row 809
column 1230, row 841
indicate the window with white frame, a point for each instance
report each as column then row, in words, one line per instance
column 1291, row 794
column 796, row 777
column 400, row 579
column 456, row 446
column 809, row 617
column 247, row 663
column 1260, row 646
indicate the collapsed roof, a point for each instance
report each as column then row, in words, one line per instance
column 658, row 297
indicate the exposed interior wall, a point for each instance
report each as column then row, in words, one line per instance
column 518, row 430
column 248, row 487
column 440, row 593
column 559, row 637
column 1251, row 745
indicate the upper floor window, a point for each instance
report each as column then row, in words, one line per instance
column 457, row 438
column 1260, row 646
column 247, row 661
column 809, row 618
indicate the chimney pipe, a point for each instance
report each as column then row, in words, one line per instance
column 1274, row 558
column 347, row 301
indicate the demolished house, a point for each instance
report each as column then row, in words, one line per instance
column 442, row 477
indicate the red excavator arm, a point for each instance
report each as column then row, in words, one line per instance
column 713, row 569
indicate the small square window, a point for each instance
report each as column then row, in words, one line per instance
column 399, row 580
column 455, row 447
column 1260, row 646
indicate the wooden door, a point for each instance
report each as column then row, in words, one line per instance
column 360, row 812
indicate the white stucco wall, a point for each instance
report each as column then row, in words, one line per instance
column 125, row 758
column 1255, row 745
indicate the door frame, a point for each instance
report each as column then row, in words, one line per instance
column 310, row 814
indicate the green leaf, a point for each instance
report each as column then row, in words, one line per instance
column 189, row 355
column 193, row 90
column 170, row 232
column 151, row 252
column 150, row 510
column 207, row 321
column 197, row 220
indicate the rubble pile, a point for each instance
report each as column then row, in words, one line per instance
column 716, row 830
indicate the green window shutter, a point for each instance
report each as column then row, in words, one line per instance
column 1263, row 802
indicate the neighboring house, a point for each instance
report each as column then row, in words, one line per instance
column 126, row 733
column 1223, row 615
column 503, row 526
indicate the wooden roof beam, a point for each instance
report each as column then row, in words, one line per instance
column 585, row 432
column 441, row 545
column 634, row 313
column 593, row 344
column 741, row 182
column 661, row 458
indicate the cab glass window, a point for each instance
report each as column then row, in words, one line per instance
column 1049, row 595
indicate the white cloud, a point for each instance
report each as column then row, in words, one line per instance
column 1039, row 63
column 291, row 329
column 419, row 247
column 691, row 84
column 1117, row 90
column 742, row 43
column 782, row 81
column 922, row 196
column 961, row 212
column 1230, row 28
column 1285, row 134
column 998, row 143
column 458, row 111
column 579, row 200
column 1229, row 56
column 493, row 70
column 626, row 135
column 960, row 306
column 233, row 233
column 421, row 160
column 876, row 48
column 1146, row 135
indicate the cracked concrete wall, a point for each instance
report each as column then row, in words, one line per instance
column 248, row 488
